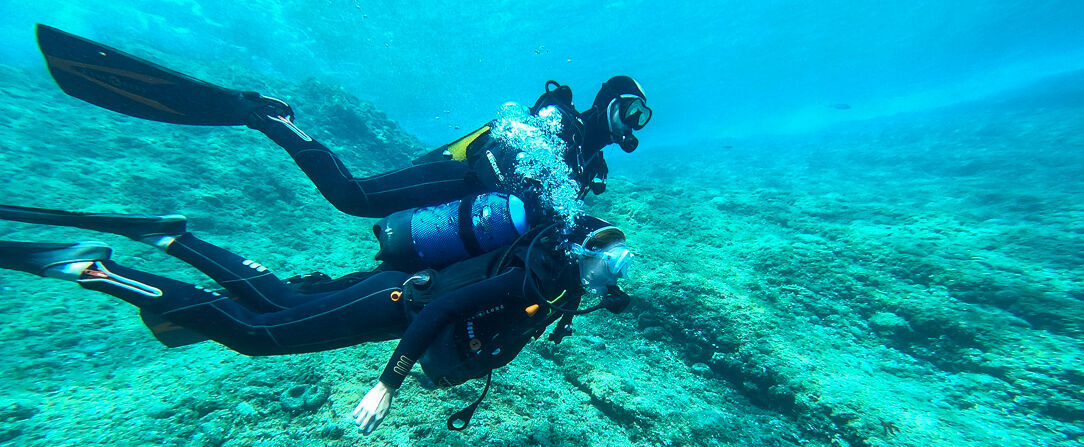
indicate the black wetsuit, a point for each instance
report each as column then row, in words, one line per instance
column 456, row 320
column 435, row 179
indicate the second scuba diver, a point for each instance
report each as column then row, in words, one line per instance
column 459, row 322
column 476, row 163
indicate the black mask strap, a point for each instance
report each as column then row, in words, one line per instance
column 463, row 416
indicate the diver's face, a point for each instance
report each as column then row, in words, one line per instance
column 602, row 268
column 625, row 114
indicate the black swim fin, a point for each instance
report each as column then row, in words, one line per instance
column 123, row 83
column 39, row 258
column 142, row 228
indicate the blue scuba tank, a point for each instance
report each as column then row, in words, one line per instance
column 440, row 235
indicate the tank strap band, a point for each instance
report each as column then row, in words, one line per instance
column 466, row 227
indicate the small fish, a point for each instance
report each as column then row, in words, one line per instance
column 841, row 106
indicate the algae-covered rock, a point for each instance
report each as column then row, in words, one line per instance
column 304, row 397
column 16, row 411
column 12, row 417
column 159, row 410
column 201, row 404
column 245, row 410
column 9, row 432
column 331, row 431
column 889, row 323
column 701, row 369
column 215, row 427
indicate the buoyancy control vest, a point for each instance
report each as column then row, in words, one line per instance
column 487, row 339
column 560, row 97
column 493, row 164
column 590, row 171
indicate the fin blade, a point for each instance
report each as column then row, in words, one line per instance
column 135, row 226
column 114, row 80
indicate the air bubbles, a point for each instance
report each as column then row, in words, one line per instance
column 512, row 111
column 540, row 158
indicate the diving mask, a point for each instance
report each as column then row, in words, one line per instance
column 625, row 114
column 601, row 268
column 632, row 111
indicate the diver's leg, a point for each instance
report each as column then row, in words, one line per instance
column 250, row 281
column 361, row 313
column 254, row 284
column 425, row 184
column 88, row 264
column 376, row 196
column 366, row 311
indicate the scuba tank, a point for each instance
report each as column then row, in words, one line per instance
column 437, row 236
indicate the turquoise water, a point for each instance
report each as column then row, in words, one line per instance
column 857, row 223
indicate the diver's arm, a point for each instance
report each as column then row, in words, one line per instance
column 376, row 404
column 442, row 311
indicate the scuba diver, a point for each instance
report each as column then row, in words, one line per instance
column 476, row 163
column 459, row 321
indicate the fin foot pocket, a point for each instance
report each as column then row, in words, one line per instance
column 97, row 272
column 262, row 107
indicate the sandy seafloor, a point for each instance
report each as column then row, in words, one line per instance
column 909, row 281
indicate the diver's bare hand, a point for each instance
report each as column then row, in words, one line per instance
column 373, row 407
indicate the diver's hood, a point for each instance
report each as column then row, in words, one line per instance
column 617, row 86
